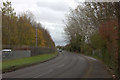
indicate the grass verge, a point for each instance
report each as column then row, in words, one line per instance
column 12, row 65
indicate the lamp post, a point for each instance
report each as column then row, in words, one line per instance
column 36, row 35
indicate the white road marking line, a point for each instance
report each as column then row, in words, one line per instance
column 92, row 58
column 44, row 73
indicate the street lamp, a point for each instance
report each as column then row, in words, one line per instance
column 36, row 35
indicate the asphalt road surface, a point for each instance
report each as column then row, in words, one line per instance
column 65, row 65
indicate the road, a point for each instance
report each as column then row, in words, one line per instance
column 65, row 65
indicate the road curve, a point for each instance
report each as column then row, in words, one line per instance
column 66, row 65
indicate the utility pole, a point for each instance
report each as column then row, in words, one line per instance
column 36, row 35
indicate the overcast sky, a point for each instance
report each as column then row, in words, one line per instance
column 50, row 13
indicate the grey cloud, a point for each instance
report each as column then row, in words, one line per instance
column 57, row 33
column 58, row 5
column 47, row 15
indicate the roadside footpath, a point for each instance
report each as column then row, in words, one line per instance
column 96, row 69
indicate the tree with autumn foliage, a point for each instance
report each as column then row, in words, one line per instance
column 20, row 31
column 109, row 32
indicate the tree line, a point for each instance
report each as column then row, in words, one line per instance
column 20, row 30
column 92, row 29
